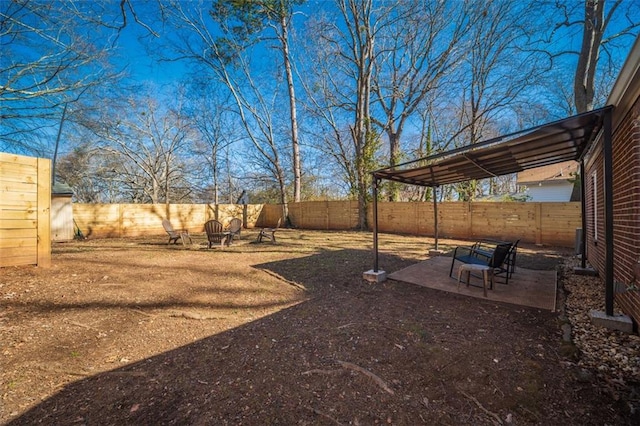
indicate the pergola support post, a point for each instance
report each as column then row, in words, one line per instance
column 582, row 269
column 435, row 215
column 436, row 251
column 375, row 223
column 375, row 275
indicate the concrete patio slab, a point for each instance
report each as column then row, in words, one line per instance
column 536, row 289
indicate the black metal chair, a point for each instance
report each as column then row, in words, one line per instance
column 511, row 258
column 480, row 254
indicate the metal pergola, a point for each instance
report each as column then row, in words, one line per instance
column 551, row 143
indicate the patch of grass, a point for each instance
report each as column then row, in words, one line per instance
column 569, row 350
column 417, row 332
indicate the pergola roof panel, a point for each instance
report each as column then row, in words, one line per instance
column 550, row 143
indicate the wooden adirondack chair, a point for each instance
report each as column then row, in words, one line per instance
column 215, row 233
column 234, row 228
column 174, row 234
column 269, row 233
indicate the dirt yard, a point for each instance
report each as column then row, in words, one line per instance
column 132, row 331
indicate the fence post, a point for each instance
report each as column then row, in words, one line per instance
column 120, row 221
column 327, row 220
column 244, row 216
column 469, row 220
column 538, row 213
column 44, row 213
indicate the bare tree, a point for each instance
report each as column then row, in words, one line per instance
column 83, row 170
column 325, row 103
column 420, row 46
column 248, row 22
column 602, row 29
column 595, row 24
column 217, row 132
column 494, row 76
column 346, row 87
column 52, row 52
column 360, row 35
column 229, row 61
column 46, row 62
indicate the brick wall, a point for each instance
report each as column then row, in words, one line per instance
column 594, row 198
column 626, row 207
column 626, row 218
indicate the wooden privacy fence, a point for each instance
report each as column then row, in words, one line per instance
column 25, row 210
column 541, row 223
column 130, row 220
column 324, row 214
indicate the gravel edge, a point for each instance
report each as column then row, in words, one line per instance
column 609, row 358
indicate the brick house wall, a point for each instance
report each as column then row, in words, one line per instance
column 594, row 198
column 626, row 207
column 626, row 218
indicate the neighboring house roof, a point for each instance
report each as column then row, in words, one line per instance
column 547, row 174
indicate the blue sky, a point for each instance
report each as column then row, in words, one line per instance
column 139, row 51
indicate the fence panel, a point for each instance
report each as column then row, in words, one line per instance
column 25, row 210
column 130, row 220
column 454, row 220
column 398, row 217
column 309, row 215
column 504, row 221
column 342, row 214
column 558, row 223
column 98, row 220
column 542, row 223
column 270, row 213
column 322, row 214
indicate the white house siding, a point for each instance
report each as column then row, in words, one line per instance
column 550, row 192
column 61, row 218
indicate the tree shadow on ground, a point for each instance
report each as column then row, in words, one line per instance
column 352, row 353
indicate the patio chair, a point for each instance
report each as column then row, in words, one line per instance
column 234, row 228
column 479, row 255
column 174, row 234
column 511, row 258
column 215, row 233
column 509, row 266
column 269, row 233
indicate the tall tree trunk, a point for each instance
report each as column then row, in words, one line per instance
column 394, row 160
column 292, row 108
column 358, row 18
column 593, row 29
column 214, row 163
